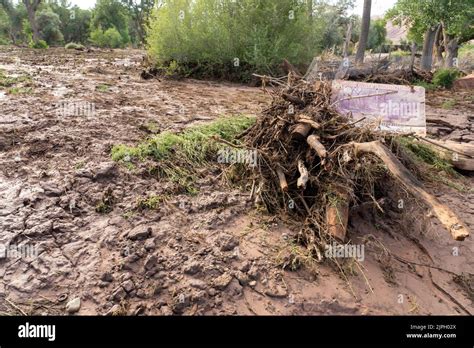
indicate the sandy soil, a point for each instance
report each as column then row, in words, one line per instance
column 211, row 254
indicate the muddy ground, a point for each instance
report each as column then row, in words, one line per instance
column 210, row 254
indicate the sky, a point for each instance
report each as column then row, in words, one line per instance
column 378, row 6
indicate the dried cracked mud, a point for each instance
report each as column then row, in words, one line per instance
column 210, row 254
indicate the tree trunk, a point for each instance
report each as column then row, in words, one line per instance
column 413, row 56
column 31, row 7
column 427, row 55
column 348, row 40
column 452, row 52
column 364, row 33
column 445, row 215
column 439, row 46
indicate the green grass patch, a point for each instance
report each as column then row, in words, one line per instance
column 400, row 53
column 103, row 88
column 448, row 104
column 151, row 202
column 423, row 152
column 432, row 165
column 425, row 85
column 74, row 46
column 466, row 50
column 180, row 155
column 445, row 77
column 8, row 81
column 19, row 90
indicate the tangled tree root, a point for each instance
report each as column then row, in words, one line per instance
column 316, row 164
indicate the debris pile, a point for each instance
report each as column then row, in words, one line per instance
column 316, row 164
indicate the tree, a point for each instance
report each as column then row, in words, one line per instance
column 75, row 22
column 139, row 13
column 49, row 26
column 109, row 14
column 364, row 34
column 31, row 8
column 428, row 42
column 235, row 37
column 4, row 27
column 426, row 16
column 377, row 34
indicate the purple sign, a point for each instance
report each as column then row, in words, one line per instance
column 394, row 108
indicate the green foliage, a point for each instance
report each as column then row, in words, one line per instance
column 400, row 53
column 180, row 155
column 194, row 144
column 41, row 44
column 110, row 38
column 445, row 77
column 466, row 50
column 19, row 90
column 103, row 88
column 74, row 46
column 7, row 81
column 449, row 104
column 234, row 38
column 377, row 34
column 138, row 12
column 457, row 16
column 151, row 202
column 110, row 18
column 5, row 25
column 433, row 166
column 75, row 22
column 49, row 25
column 425, row 85
column 423, row 152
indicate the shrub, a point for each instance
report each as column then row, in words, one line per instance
column 74, row 46
column 233, row 39
column 445, row 77
column 41, row 44
column 50, row 26
column 110, row 38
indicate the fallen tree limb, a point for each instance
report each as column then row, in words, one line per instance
column 312, row 123
column 337, row 217
column 445, row 215
column 282, row 179
column 313, row 141
column 461, row 156
column 301, row 131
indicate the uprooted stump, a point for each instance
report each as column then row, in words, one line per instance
column 315, row 164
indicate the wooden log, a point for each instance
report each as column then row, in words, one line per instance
column 313, row 141
column 442, row 123
column 290, row 68
column 337, row 217
column 312, row 123
column 446, row 216
column 304, row 175
column 282, row 180
column 292, row 99
column 460, row 155
column 301, row 131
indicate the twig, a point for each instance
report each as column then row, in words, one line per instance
column 363, row 96
column 16, row 307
